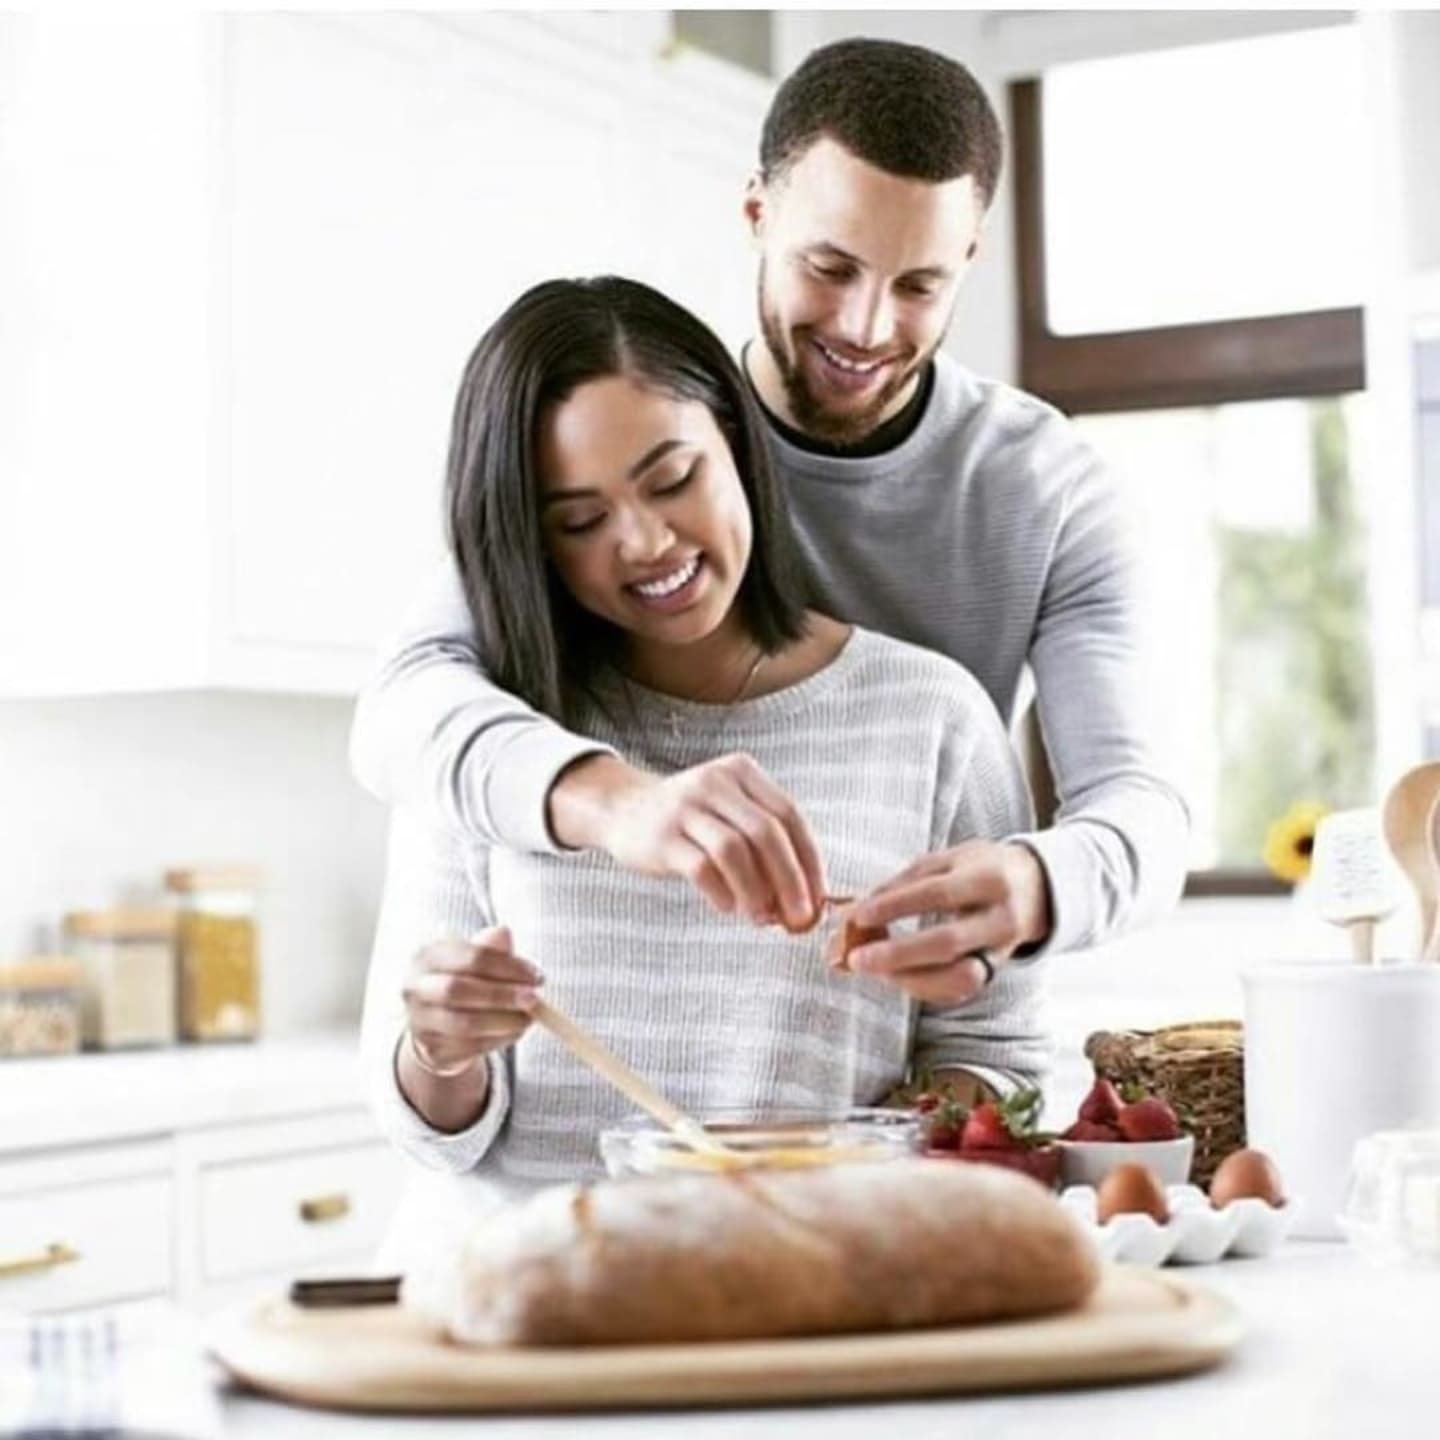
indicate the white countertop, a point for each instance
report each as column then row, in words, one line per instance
column 1334, row 1348
column 124, row 1094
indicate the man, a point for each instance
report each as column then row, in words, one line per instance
column 932, row 505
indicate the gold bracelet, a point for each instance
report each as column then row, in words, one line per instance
column 438, row 1072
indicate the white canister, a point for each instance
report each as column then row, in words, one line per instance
column 1335, row 1051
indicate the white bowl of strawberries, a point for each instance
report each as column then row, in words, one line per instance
column 1111, row 1130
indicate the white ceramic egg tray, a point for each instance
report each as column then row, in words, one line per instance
column 1196, row 1234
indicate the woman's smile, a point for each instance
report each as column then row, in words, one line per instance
column 677, row 590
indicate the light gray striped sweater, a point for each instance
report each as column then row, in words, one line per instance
column 891, row 751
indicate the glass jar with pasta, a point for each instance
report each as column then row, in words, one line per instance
column 219, row 953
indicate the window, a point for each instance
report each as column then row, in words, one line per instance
column 1189, row 266
column 743, row 37
column 1193, row 184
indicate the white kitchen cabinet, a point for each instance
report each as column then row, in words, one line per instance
column 86, row 1227
column 246, row 257
column 211, row 1174
column 277, row 1200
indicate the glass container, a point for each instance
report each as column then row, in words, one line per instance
column 219, row 956
column 789, row 1139
column 40, row 1007
column 129, row 962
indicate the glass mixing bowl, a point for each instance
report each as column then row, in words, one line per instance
column 762, row 1139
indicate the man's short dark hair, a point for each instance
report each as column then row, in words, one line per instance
column 904, row 109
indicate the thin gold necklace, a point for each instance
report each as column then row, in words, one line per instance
column 674, row 718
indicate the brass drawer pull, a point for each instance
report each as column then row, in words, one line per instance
column 48, row 1259
column 321, row 1208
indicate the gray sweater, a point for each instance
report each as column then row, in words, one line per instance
column 893, row 751
column 991, row 535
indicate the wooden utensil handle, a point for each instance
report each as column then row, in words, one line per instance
column 1362, row 941
column 609, row 1065
column 1430, row 944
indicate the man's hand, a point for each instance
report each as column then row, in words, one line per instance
column 991, row 897
column 724, row 826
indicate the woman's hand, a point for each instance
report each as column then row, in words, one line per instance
column 465, row 999
column 724, row 826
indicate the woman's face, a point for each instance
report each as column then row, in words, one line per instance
column 643, row 512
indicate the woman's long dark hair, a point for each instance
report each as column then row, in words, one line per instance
column 536, row 640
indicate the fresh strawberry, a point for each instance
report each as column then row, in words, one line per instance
column 986, row 1130
column 1091, row 1130
column 1041, row 1163
column 1009, row 1124
column 1149, row 1119
column 1102, row 1105
column 924, row 1104
column 945, row 1124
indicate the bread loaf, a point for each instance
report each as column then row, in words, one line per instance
column 766, row 1253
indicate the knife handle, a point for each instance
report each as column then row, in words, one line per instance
column 338, row 1290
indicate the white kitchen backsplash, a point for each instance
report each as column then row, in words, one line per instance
column 101, row 795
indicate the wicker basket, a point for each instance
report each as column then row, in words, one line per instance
column 1198, row 1067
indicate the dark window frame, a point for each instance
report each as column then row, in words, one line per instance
column 1269, row 357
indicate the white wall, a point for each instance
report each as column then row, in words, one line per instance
column 100, row 796
column 1418, row 42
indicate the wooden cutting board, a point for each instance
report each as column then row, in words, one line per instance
column 1140, row 1323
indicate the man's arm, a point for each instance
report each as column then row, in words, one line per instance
column 1116, row 855
column 433, row 732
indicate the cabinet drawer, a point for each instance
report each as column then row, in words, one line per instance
column 77, row 1245
column 293, row 1211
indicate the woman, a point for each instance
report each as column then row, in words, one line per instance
column 629, row 570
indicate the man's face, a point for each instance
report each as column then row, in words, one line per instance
column 858, row 276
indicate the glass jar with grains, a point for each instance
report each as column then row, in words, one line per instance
column 219, row 952
column 129, row 962
column 40, row 1007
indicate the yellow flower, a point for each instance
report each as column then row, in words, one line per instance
column 1291, row 839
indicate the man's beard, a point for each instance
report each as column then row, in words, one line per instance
column 849, row 427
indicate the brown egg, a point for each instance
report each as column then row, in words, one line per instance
column 1246, row 1173
column 1131, row 1190
column 850, row 936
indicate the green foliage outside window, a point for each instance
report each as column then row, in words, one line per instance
column 1296, row 711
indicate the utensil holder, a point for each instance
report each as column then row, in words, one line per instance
column 1333, row 1052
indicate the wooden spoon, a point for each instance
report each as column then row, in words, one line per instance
column 1430, row 940
column 612, row 1068
column 1407, row 832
